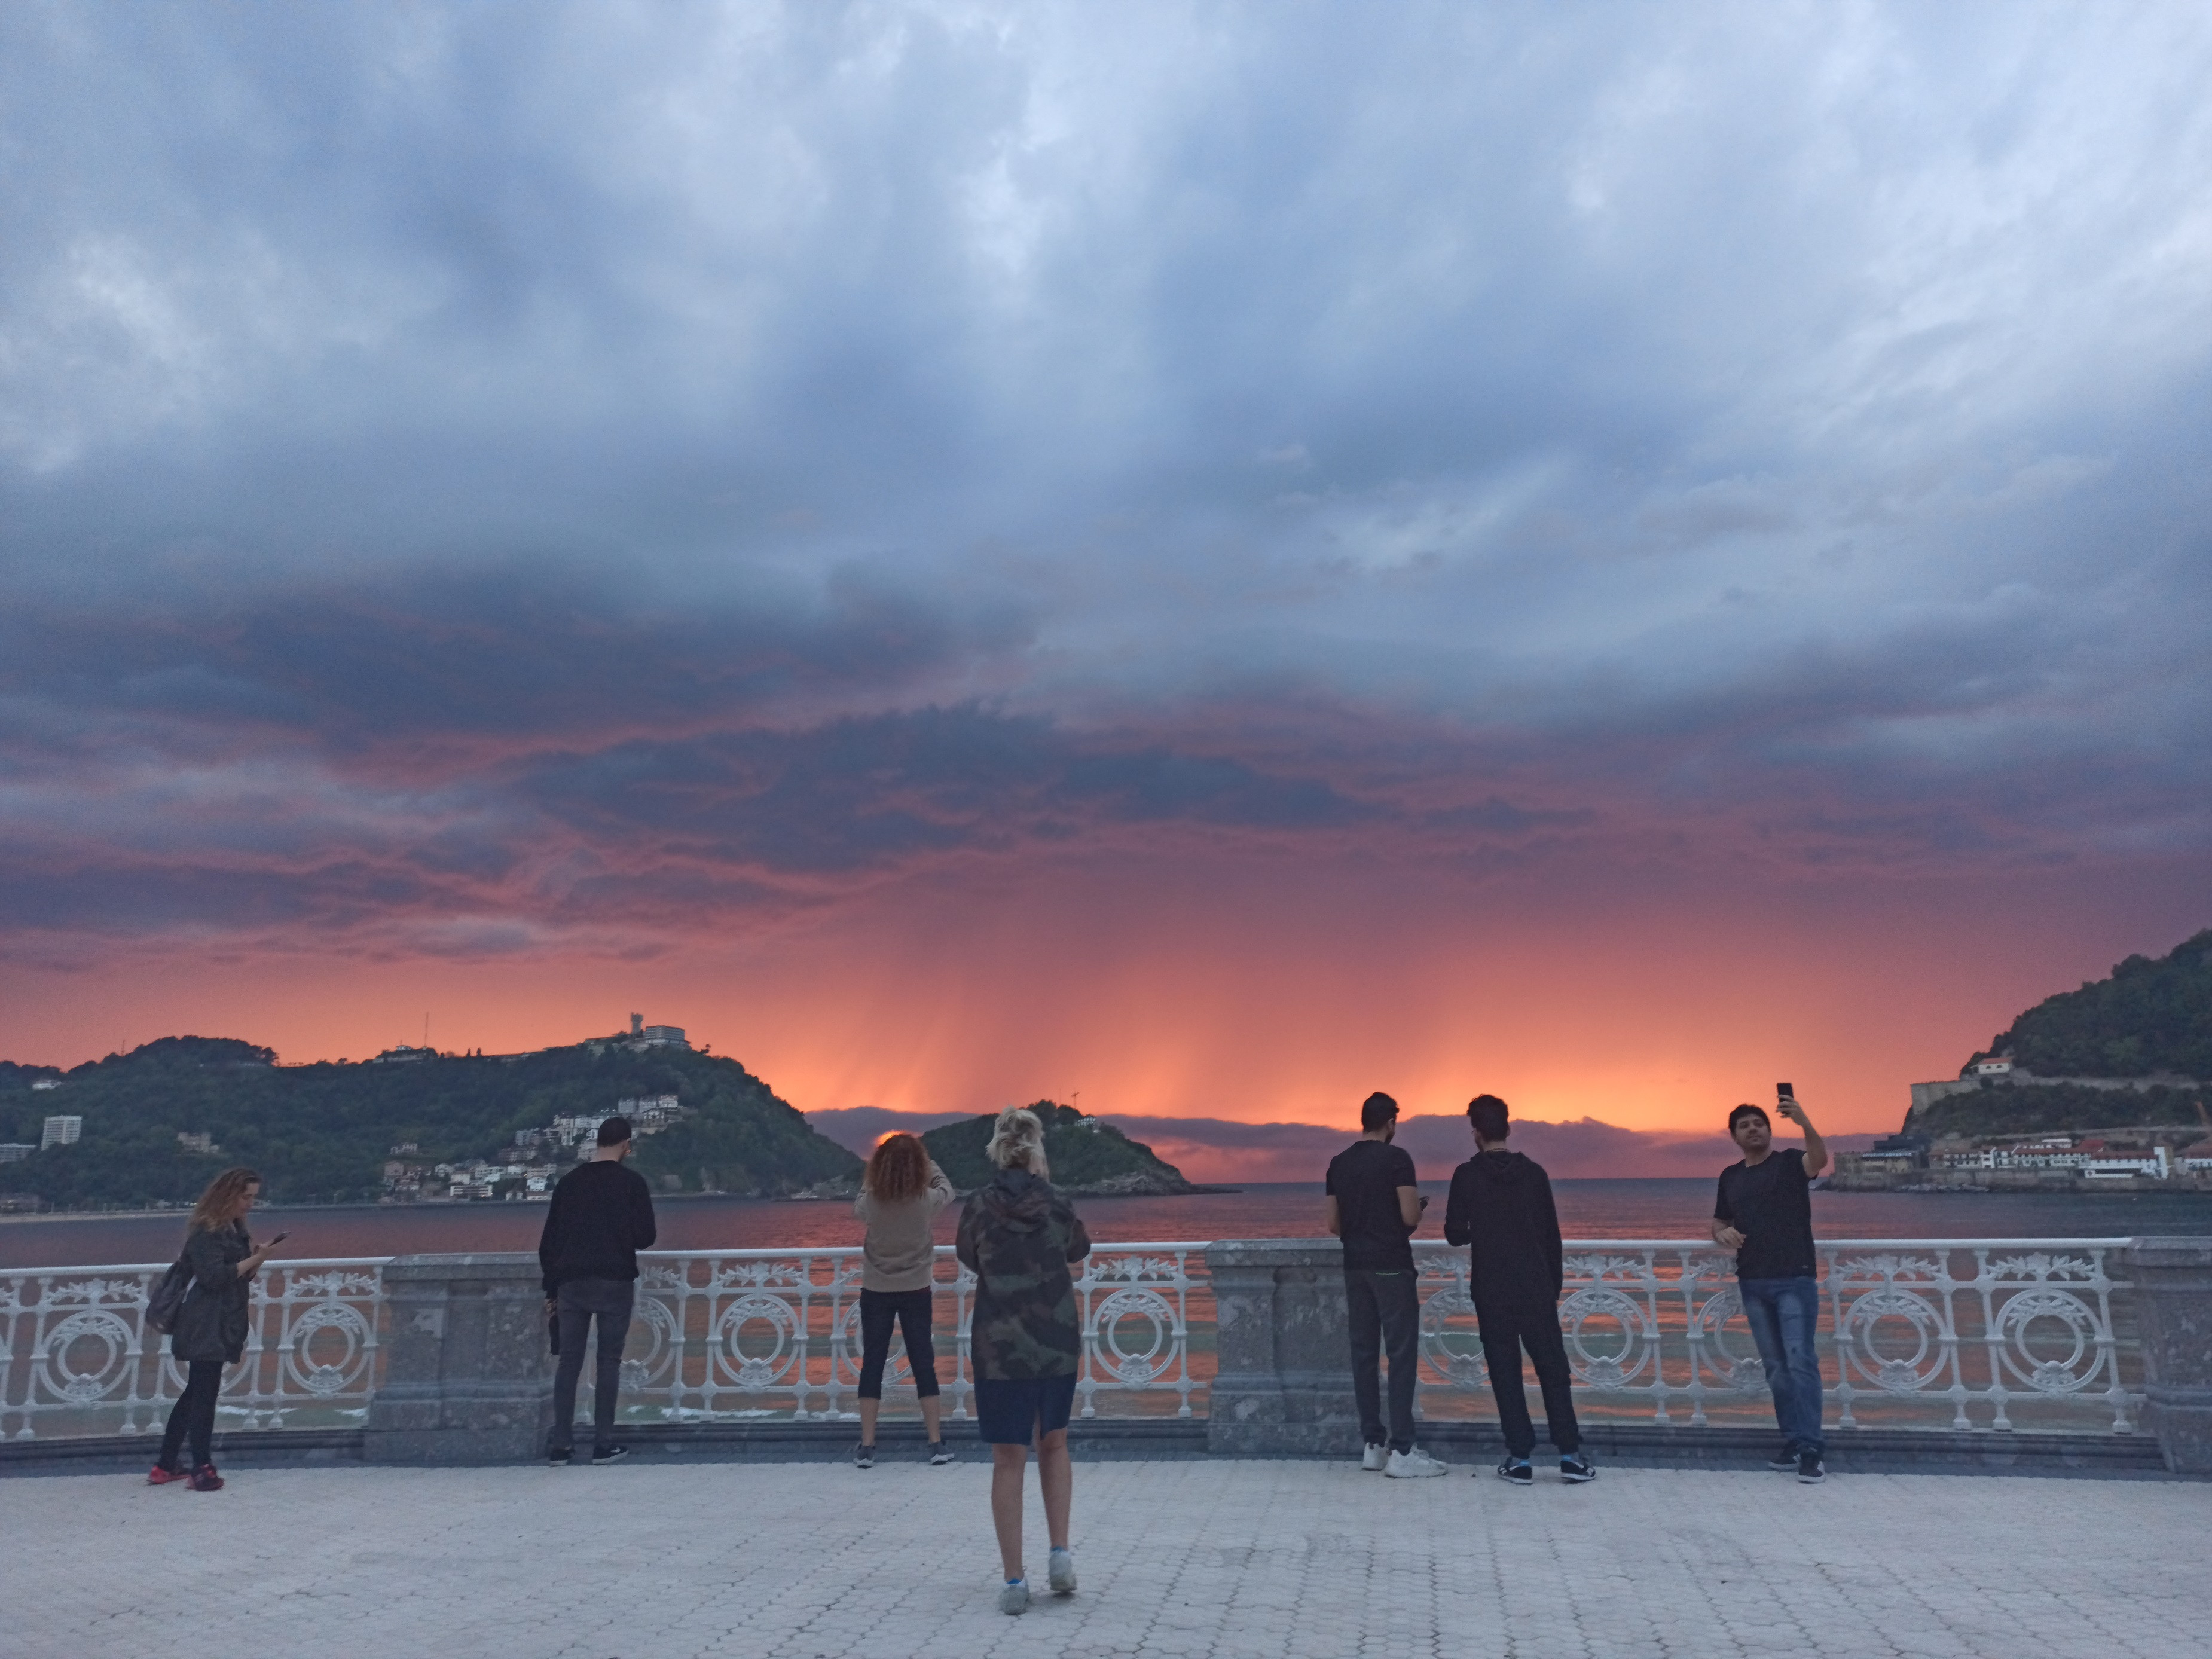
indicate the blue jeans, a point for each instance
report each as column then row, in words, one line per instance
column 1783, row 1313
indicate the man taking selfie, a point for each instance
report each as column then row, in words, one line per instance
column 1764, row 1212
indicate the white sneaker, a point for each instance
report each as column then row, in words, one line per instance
column 1412, row 1465
column 1375, row 1457
column 1015, row 1597
column 1059, row 1572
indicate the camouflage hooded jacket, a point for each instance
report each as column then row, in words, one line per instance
column 1018, row 1237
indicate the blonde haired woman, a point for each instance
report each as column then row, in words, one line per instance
column 901, row 1194
column 210, row 1329
column 1018, row 1236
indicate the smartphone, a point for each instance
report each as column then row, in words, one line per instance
column 275, row 1242
column 1783, row 1091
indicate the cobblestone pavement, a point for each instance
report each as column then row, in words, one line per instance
column 1185, row 1558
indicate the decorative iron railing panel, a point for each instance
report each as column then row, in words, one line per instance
column 723, row 1335
column 76, row 1358
column 1958, row 1333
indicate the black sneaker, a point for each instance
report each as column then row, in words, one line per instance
column 864, row 1457
column 609, row 1454
column 939, row 1454
column 1575, row 1467
column 1516, row 1470
column 559, row 1457
column 1785, row 1460
column 1808, row 1468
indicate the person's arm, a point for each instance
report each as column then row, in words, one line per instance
column 1725, row 1233
column 1547, row 1227
column 547, row 1235
column 1078, row 1237
column 1335, row 1217
column 1816, row 1150
column 1459, row 1218
column 940, row 1188
column 964, row 1240
column 644, row 1225
column 1410, row 1202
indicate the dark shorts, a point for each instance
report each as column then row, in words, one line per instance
column 1014, row 1411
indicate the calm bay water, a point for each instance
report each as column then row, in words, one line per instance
column 1588, row 1209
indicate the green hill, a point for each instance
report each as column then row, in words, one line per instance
column 321, row 1133
column 1085, row 1155
column 2151, row 1016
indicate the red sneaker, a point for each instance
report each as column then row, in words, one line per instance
column 204, row 1479
column 159, row 1476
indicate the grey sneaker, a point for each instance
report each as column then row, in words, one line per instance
column 864, row 1457
column 1412, row 1464
column 1060, row 1573
column 1015, row 1597
column 939, row 1453
column 1373, row 1458
column 1808, row 1468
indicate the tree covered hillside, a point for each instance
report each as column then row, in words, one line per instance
column 1085, row 1155
column 321, row 1133
column 2150, row 1016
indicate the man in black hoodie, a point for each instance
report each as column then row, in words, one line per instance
column 601, row 1217
column 1501, row 1208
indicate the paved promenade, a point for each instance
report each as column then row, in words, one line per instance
column 1187, row 1558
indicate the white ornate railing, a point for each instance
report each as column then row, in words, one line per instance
column 1959, row 1333
column 1995, row 1333
column 723, row 1335
column 76, row 1357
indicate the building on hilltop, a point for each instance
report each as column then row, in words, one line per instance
column 402, row 1055
column 15, row 1151
column 1995, row 1066
column 61, row 1132
column 202, row 1142
column 47, row 1083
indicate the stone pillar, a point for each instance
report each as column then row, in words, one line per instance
column 466, row 1375
column 2173, row 1278
column 1283, row 1382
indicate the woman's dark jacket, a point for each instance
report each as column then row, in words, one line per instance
column 212, row 1323
column 1017, row 1235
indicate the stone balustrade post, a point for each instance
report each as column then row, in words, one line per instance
column 1283, row 1378
column 466, row 1378
column 2172, row 1280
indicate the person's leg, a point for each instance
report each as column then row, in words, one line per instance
column 1398, row 1309
column 1547, row 1350
column 1501, row 1354
column 1007, row 1463
column 206, row 1386
column 575, row 1326
column 1365, row 1326
column 916, row 1309
column 1759, row 1312
column 180, row 1417
column 1056, row 1477
column 615, row 1299
column 1797, row 1317
column 877, row 1311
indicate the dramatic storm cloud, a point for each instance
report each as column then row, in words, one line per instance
column 1246, row 514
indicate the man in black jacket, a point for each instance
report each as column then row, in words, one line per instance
column 601, row 1217
column 1501, row 1208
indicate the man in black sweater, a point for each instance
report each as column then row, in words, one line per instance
column 1501, row 1208
column 601, row 1217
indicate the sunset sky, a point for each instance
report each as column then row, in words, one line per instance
column 1211, row 558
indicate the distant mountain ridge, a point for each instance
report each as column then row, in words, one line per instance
column 322, row 1133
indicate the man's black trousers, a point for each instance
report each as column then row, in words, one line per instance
column 1385, row 1316
column 583, row 1302
column 1507, row 1328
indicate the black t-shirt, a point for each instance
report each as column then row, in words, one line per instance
column 1363, row 1179
column 1767, row 1202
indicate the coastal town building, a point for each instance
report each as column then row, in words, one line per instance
column 15, row 1151
column 61, row 1132
column 45, row 1083
column 528, row 1168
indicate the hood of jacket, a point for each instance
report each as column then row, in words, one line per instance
column 1017, row 1200
column 1500, row 1172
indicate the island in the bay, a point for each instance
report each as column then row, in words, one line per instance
column 2099, row 1090
column 416, row 1125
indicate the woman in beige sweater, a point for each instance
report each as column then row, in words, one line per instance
column 900, row 1196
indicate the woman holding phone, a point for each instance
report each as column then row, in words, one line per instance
column 210, row 1329
column 901, row 1194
